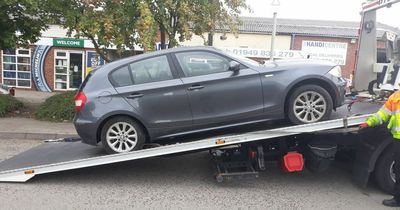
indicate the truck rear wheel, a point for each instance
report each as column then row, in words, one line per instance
column 384, row 173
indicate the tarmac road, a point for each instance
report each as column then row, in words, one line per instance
column 182, row 182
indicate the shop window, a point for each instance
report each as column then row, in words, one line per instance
column 61, row 71
column 16, row 65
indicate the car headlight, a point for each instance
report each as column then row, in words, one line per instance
column 336, row 72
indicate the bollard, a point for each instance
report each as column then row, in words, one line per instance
column 11, row 92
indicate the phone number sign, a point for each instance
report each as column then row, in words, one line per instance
column 261, row 53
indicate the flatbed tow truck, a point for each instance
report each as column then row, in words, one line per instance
column 243, row 153
column 236, row 155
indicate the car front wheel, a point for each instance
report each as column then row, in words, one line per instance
column 122, row 134
column 309, row 104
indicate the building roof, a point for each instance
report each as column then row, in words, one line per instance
column 308, row 27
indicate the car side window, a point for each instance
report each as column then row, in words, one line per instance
column 121, row 77
column 151, row 70
column 201, row 63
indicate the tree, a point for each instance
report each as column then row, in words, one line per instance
column 184, row 17
column 172, row 17
column 222, row 15
column 21, row 21
column 109, row 23
column 123, row 24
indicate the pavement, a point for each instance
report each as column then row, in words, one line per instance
column 32, row 97
column 28, row 128
column 183, row 182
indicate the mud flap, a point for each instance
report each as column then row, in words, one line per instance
column 371, row 143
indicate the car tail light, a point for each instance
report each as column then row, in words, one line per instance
column 80, row 101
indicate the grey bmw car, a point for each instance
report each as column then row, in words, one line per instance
column 178, row 91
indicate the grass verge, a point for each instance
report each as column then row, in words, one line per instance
column 8, row 104
column 57, row 108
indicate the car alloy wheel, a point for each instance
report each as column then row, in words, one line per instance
column 309, row 107
column 121, row 137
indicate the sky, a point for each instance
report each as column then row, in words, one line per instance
column 343, row 10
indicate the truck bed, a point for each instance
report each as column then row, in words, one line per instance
column 73, row 155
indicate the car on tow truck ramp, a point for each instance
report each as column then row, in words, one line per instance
column 178, row 91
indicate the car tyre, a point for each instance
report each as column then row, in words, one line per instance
column 122, row 134
column 309, row 104
column 383, row 173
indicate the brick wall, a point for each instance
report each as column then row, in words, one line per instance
column 351, row 50
column 49, row 68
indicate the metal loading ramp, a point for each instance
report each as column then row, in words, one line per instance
column 62, row 156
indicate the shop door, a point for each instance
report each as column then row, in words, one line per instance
column 68, row 70
column 75, row 69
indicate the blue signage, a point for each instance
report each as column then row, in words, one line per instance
column 38, row 68
column 93, row 59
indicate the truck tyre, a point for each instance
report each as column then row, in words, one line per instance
column 122, row 134
column 309, row 104
column 372, row 85
column 384, row 175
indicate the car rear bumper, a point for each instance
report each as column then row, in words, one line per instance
column 86, row 130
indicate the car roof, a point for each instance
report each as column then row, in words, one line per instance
column 159, row 52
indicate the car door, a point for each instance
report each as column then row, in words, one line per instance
column 154, row 91
column 218, row 95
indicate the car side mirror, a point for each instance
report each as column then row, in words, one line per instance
column 234, row 66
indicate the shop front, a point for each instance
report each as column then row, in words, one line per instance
column 53, row 64
column 68, row 69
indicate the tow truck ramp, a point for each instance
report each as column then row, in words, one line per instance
column 62, row 156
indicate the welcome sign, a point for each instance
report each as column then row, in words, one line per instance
column 62, row 42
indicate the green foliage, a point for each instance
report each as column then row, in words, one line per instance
column 173, row 18
column 178, row 17
column 57, row 108
column 110, row 23
column 8, row 104
column 117, row 23
column 21, row 21
column 124, row 24
column 222, row 13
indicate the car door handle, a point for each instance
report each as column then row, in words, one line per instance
column 196, row 87
column 135, row 95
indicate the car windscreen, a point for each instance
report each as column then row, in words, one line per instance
column 244, row 59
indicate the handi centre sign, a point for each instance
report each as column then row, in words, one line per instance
column 335, row 52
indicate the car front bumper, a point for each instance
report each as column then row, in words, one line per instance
column 341, row 87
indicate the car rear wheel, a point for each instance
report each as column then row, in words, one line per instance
column 309, row 104
column 122, row 134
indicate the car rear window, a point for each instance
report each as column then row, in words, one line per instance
column 87, row 79
column 121, row 77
